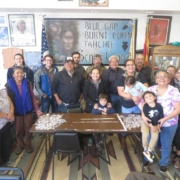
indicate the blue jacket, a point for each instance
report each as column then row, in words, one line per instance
column 99, row 111
column 27, row 72
column 42, row 82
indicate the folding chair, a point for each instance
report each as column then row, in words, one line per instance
column 19, row 176
column 66, row 142
column 75, row 110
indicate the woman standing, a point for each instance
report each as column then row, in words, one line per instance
column 169, row 98
column 92, row 88
column 6, row 116
column 128, row 105
column 176, row 141
column 19, row 61
column 22, row 96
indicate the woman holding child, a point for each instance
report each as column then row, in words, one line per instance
column 169, row 98
column 96, row 96
column 176, row 142
column 129, row 102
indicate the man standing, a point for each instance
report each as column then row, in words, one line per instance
column 111, row 75
column 78, row 67
column 67, row 87
column 171, row 71
column 43, row 80
column 97, row 62
column 145, row 70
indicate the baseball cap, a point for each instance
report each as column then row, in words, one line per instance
column 69, row 59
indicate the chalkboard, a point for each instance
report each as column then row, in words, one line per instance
column 33, row 60
column 106, row 37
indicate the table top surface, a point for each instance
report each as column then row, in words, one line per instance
column 89, row 123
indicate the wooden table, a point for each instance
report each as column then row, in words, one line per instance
column 90, row 123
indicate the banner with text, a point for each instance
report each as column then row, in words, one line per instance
column 91, row 36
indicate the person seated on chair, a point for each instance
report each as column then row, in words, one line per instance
column 67, row 87
column 93, row 88
column 21, row 93
column 101, row 108
column 6, row 116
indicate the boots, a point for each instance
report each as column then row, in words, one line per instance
column 123, row 142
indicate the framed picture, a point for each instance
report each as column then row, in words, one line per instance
column 4, row 37
column 106, row 37
column 94, row 3
column 22, row 30
column 159, row 30
column 2, row 20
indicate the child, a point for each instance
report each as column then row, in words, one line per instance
column 134, row 88
column 154, row 112
column 101, row 108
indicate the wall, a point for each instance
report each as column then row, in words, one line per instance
column 174, row 36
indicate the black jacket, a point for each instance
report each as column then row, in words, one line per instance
column 111, row 76
column 68, row 88
column 91, row 94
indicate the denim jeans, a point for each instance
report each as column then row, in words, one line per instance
column 133, row 110
column 116, row 102
column 62, row 108
column 47, row 102
column 166, row 138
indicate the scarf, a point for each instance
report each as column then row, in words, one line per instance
column 23, row 103
column 96, row 84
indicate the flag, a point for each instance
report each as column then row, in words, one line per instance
column 44, row 44
column 146, row 46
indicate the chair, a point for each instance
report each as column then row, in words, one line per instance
column 75, row 110
column 66, row 142
column 19, row 176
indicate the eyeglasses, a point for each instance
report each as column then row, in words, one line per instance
column 130, row 65
column 162, row 77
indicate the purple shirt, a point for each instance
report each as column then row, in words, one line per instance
column 171, row 96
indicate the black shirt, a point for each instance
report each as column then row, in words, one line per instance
column 111, row 76
column 120, row 83
column 153, row 113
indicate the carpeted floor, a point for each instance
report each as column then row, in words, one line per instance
column 112, row 164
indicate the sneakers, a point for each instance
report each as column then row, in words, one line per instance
column 98, row 146
column 29, row 149
column 19, row 150
column 163, row 169
column 177, row 163
column 145, row 163
column 149, row 156
column 3, row 172
column 9, row 164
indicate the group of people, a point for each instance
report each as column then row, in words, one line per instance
column 131, row 90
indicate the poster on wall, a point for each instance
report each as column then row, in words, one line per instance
column 106, row 37
column 22, row 30
column 4, row 38
column 33, row 60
